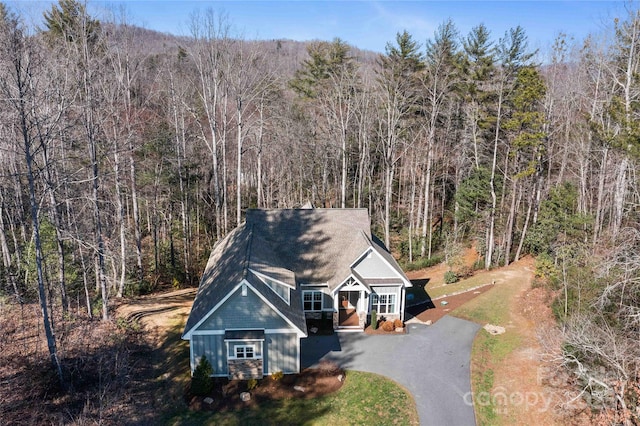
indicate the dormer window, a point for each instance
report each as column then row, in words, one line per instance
column 312, row 300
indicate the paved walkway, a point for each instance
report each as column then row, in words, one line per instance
column 432, row 362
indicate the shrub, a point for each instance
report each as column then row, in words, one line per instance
column 252, row 384
column 478, row 264
column 422, row 263
column 450, row 277
column 464, row 272
column 201, row 383
column 278, row 375
column 374, row 320
column 387, row 326
column 398, row 324
column 547, row 272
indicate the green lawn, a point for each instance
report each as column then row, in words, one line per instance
column 488, row 350
column 480, row 279
column 364, row 399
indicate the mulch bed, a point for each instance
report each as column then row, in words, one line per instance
column 380, row 330
column 316, row 382
column 434, row 310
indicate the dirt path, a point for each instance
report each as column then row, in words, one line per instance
column 159, row 312
column 521, row 376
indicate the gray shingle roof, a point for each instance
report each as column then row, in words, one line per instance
column 302, row 246
column 317, row 244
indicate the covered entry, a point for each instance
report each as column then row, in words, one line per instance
column 349, row 304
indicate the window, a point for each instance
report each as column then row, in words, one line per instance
column 383, row 303
column 312, row 300
column 245, row 352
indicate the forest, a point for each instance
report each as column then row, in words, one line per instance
column 126, row 154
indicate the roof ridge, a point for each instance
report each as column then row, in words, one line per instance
column 247, row 254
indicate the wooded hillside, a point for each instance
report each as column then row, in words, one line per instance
column 126, row 154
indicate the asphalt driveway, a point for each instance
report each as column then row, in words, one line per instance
column 432, row 362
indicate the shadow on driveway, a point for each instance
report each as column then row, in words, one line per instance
column 432, row 362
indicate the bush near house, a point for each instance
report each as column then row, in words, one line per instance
column 387, row 326
column 201, row 383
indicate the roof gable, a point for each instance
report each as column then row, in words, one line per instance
column 238, row 311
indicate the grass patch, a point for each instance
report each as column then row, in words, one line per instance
column 447, row 289
column 489, row 351
column 364, row 398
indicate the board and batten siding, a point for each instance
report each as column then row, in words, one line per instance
column 214, row 348
column 373, row 266
column 281, row 353
column 244, row 312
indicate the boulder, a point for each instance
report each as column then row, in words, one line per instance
column 494, row 329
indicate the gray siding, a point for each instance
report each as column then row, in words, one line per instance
column 374, row 267
column 282, row 352
column 244, row 312
column 214, row 348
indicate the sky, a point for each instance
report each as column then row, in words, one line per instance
column 365, row 24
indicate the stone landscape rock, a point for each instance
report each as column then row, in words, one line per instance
column 245, row 396
column 494, row 329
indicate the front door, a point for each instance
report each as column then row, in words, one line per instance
column 348, row 308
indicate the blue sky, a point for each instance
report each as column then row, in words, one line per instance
column 367, row 24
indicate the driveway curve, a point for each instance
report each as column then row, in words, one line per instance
column 432, row 362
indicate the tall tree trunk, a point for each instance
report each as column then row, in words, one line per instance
column 488, row 260
column 57, row 223
column 6, row 254
column 120, row 218
column 597, row 223
column 239, row 163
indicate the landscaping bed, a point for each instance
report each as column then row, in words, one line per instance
column 309, row 383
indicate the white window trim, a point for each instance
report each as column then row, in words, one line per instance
column 313, row 301
column 377, row 296
column 243, row 349
column 247, row 345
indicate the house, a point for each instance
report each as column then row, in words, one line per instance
column 280, row 268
